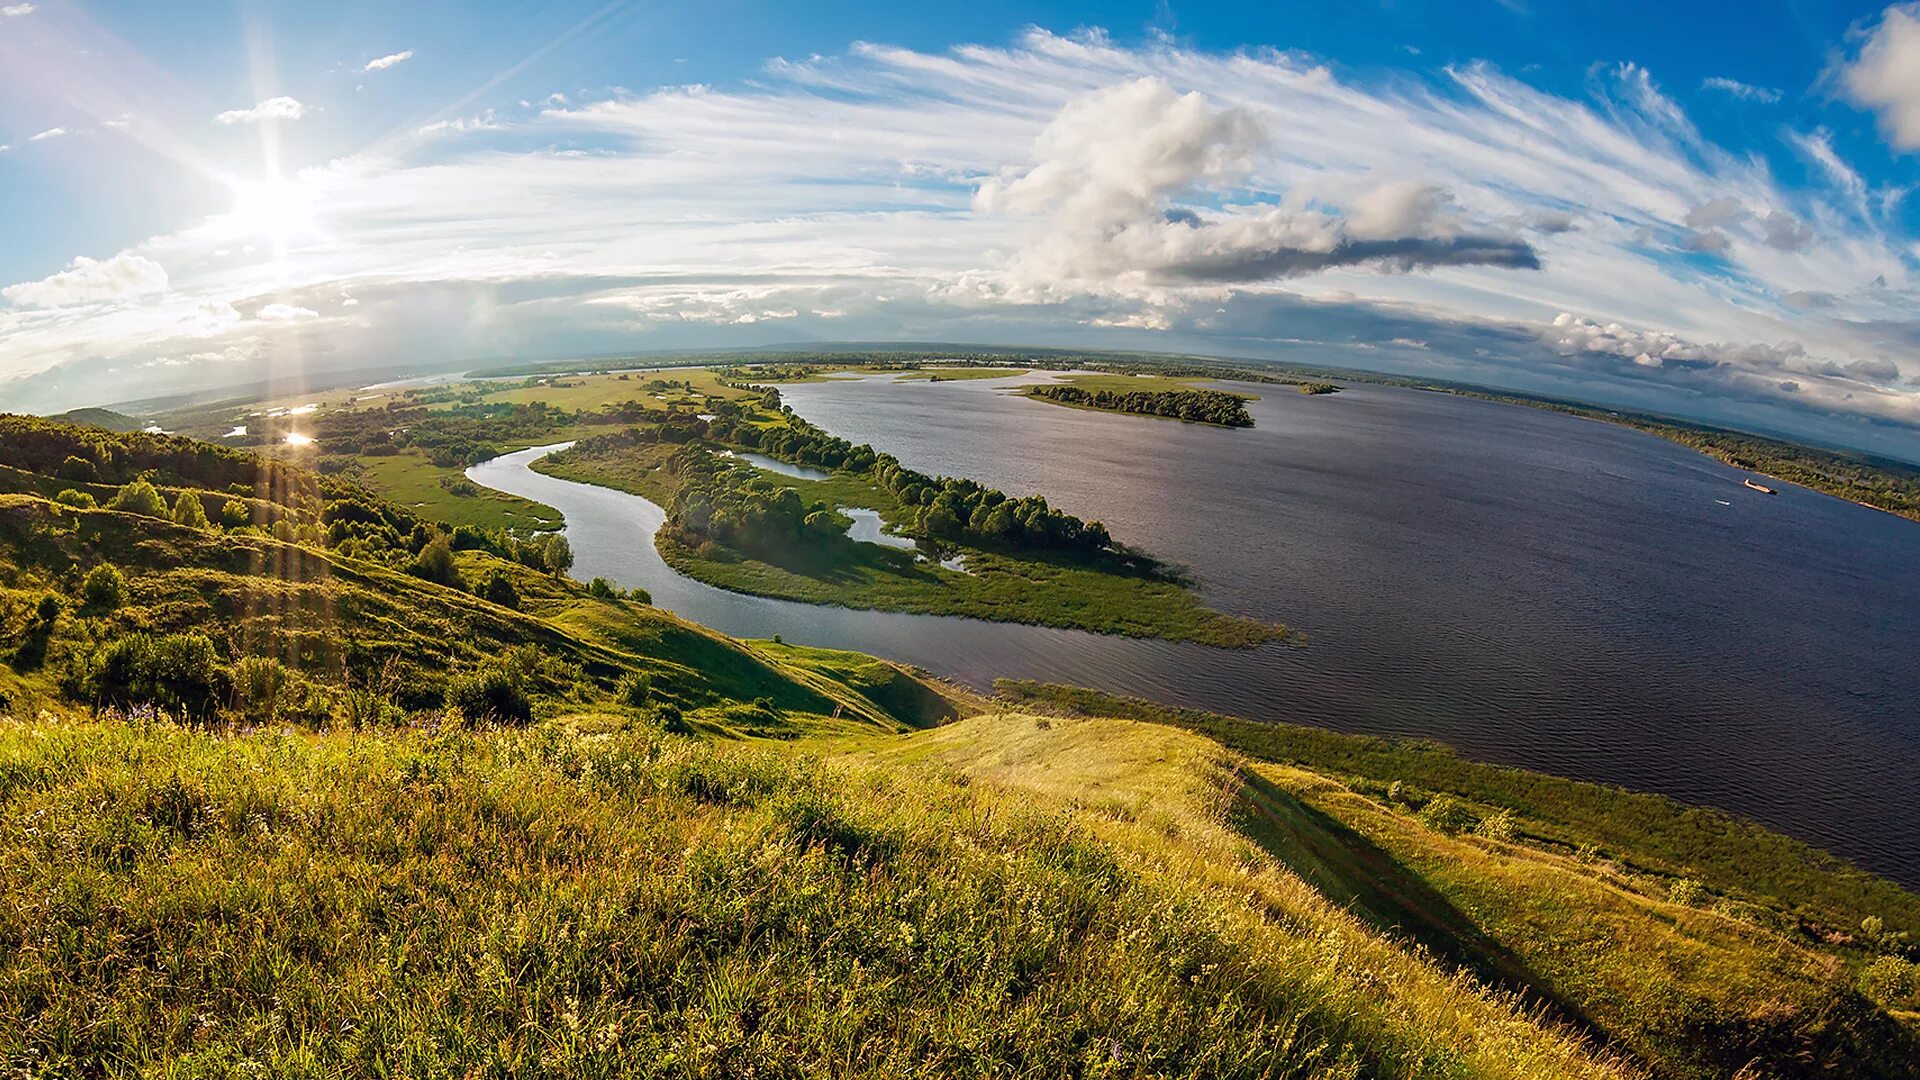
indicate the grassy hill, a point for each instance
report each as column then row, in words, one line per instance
column 310, row 786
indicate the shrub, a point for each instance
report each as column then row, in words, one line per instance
column 260, row 684
column 139, row 497
column 602, row 589
column 105, row 588
column 1498, row 826
column 1447, row 814
column 491, row 694
column 435, row 563
column 178, row 674
column 498, row 589
column 79, row 500
column 187, row 511
column 1686, row 891
column 634, row 689
column 1890, row 981
column 234, row 514
column 668, row 716
column 640, row 596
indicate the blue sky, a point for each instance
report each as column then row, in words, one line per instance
column 1696, row 208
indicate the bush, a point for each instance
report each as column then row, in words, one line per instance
column 498, row 589
column 79, row 500
column 234, row 514
column 491, row 694
column 1499, row 826
column 602, row 589
column 1447, row 814
column 1890, row 981
column 260, row 684
column 178, row 674
column 1686, row 891
column 49, row 608
column 139, row 497
column 667, row 715
column 634, row 689
column 105, row 588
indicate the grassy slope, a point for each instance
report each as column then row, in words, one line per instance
column 1648, row 837
column 1026, row 589
column 1686, row 991
column 631, row 904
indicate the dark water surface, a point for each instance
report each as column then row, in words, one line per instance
column 1532, row 588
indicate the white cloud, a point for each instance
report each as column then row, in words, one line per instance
column 1885, row 77
column 277, row 108
column 17, row 10
column 1111, row 172
column 286, row 313
column 50, row 133
column 87, row 281
column 1743, row 91
column 385, row 62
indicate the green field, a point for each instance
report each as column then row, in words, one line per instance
column 444, row 494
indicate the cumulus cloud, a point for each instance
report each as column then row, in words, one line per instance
column 272, row 109
column 1743, row 91
column 14, row 11
column 1885, row 77
column 1110, row 169
column 90, row 281
column 286, row 313
column 385, row 62
column 1784, row 231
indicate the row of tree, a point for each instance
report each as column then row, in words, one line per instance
column 730, row 501
column 1194, row 406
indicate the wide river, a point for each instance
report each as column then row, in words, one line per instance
column 1531, row 588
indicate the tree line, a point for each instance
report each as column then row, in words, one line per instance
column 1194, row 406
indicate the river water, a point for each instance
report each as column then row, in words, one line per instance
column 1531, row 588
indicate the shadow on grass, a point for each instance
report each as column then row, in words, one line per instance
column 1357, row 874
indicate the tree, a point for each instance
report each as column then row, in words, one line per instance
column 602, row 589
column 557, row 553
column 78, row 468
column 234, row 514
column 187, row 511
column 139, row 497
column 79, row 500
column 435, row 563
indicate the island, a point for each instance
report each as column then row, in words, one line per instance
column 1192, row 406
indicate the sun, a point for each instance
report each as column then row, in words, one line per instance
column 275, row 210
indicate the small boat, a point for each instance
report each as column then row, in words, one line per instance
column 1761, row 488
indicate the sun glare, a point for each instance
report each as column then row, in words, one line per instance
column 275, row 210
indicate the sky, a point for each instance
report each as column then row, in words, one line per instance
column 1699, row 209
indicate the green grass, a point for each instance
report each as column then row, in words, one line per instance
column 1643, row 834
column 550, row 903
column 1704, row 994
column 445, row 494
column 1065, row 591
